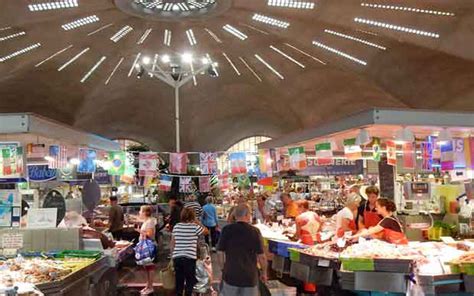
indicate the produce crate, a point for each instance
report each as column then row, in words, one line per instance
column 358, row 264
column 393, row 265
column 467, row 268
column 381, row 282
column 295, row 256
column 455, row 268
column 469, row 283
column 321, row 276
column 281, row 264
column 346, row 280
column 281, row 248
column 80, row 254
column 435, row 285
column 300, row 272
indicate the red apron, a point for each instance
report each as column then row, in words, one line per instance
column 395, row 237
column 352, row 226
column 371, row 219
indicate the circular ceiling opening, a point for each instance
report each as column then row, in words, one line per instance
column 172, row 9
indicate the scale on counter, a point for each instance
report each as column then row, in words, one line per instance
column 415, row 194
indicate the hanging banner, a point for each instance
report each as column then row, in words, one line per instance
column 224, row 181
column 148, row 164
column 324, row 150
column 427, row 156
column 238, row 163
column 376, row 155
column 469, row 152
column 208, row 163
column 57, row 157
column 243, row 181
column 391, row 153
column 204, row 184
column 178, row 163
column 186, row 185
column 35, row 150
column 11, row 160
column 408, row 156
column 283, row 162
column 459, row 154
column 447, row 156
column 297, row 158
column 264, row 160
column 165, row 182
column 87, row 158
column 337, row 167
column 351, row 150
column 273, row 161
column 117, row 159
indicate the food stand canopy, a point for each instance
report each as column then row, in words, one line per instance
column 410, row 54
column 31, row 128
column 382, row 123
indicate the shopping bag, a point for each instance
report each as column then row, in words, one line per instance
column 167, row 277
column 145, row 252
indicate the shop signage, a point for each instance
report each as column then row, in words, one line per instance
column 335, row 167
column 12, row 241
column 41, row 173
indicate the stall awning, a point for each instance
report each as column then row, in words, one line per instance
column 24, row 125
column 382, row 123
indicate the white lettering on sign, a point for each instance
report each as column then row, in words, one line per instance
column 323, row 263
column 12, row 241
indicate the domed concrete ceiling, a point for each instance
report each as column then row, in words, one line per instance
column 283, row 65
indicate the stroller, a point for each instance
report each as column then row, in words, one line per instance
column 203, row 286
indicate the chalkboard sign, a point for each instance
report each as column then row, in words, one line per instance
column 386, row 179
column 54, row 199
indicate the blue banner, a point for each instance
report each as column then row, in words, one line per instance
column 41, row 173
column 337, row 168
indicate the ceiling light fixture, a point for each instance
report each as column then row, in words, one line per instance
column 355, row 39
column 270, row 21
column 80, row 22
column 269, row 67
column 235, row 32
column 12, row 36
column 341, row 53
column 404, row 135
column 363, row 137
column 407, row 9
column 444, row 137
column 395, row 27
column 187, row 58
column 53, row 5
column 291, row 4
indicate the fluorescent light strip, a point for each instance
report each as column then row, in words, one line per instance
column 395, row 27
column 192, row 73
column 191, row 38
column 144, row 36
column 121, row 33
column 305, row 53
column 255, row 29
column 235, row 32
column 12, row 36
column 250, row 69
column 291, row 4
column 231, row 63
column 19, row 52
column 5, row 28
column 100, row 29
column 102, row 59
column 114, row 70
column 73, row 59
column 407, row 9
column 52, row 56
column 355, row 39
column 367, row 32
column 269, row 67
column 155, row 61
column 287, row 56
column 338, row 52
column 167, row 38
column 134, row 63
column 80, row 22
column 53, row 5
column 212, row 64
column 214, row 36
column 270, row 21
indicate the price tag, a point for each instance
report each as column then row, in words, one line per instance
column 323, row 263
column 447, row 240
column 12, row 241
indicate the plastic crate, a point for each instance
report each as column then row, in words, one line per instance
column 392, row 265
column 281, row 264
column 455, row 268
column 300, row 272
column 346, row 280
column 467, row 268
column 80, row 254
column 358, row 264
column 321, row 276
column 469, row 283
column 295, row 256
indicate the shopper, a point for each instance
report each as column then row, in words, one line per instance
column 260, row 212
column 194, row 205
column 176, row 206
column 209, row 220
column 184, row 251
column 241, row 200
column 389, row 228
column 147, row 231
column 290, row 206
column 367, row 215
column 345, row 218
column 308, row 224
column 116, row 218
column 240, row 247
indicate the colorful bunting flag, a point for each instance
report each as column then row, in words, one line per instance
column 391, row 153
column 165, row 182
column 297, row 158
column 351, row 150
column 87, row 159
column 178, row 163
column 283, row 161
column 427, row 156
column 376, row 155
column 469, row 152
column 185, row 185
column 208, row 163
column 204, row 184
column 117, row 159
column 243, row 181
column 148, row 164
column 224, row 181
column 264, row 160
column 447, row 156
column 324, row 150
column 36, row 150
column 238, row 163
column 7, row 161
column 408, row 156
column 459, row 154
column 57, row 157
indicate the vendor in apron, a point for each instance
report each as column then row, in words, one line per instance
column 345, row 218
column 389, row 228
column 367, row 215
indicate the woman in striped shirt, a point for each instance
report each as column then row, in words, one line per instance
column 184, row 250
